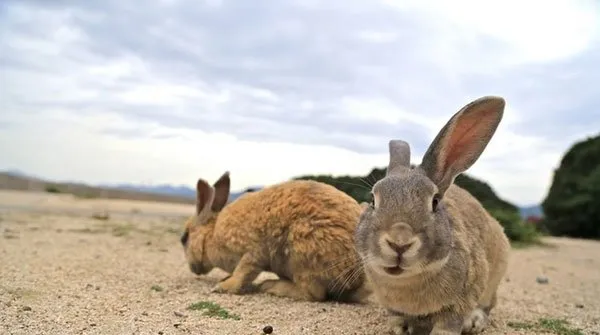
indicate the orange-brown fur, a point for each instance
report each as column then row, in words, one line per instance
column 300, row 230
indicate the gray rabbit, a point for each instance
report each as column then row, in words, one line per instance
column 434, row 255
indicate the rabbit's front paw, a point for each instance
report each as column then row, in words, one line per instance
column 476, row 322
column 229, row 285
column 233, row 286
column 398, row 326
column 217, row 289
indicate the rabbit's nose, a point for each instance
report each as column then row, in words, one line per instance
column 399, row 249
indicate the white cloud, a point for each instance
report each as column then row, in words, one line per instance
column 532, row 32
column 379, row 109
column 377, row 36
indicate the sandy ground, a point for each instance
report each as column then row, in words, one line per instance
column 62, row 271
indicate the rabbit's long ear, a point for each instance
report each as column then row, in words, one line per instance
column 204, row 195
column 399, row 157
column 462, row 140
column 221, row 192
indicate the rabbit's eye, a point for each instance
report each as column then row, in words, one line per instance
column 184, row 238
column 435, row 202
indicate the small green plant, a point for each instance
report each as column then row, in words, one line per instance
column 544, row 325
column 101, row 216
column 520, row 325
column 156, row 288
column 86, row 230
column 52, row 189
column 559, row 327
column 85, row 195
column 517, row 231
column 213, row 310
column 122, row 229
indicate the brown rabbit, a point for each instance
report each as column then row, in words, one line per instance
column 301, row 230
column 433, row 254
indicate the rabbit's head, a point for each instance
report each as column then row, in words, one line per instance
column 210, row 200
column 406, row 229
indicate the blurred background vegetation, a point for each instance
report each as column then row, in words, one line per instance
column 571, row 208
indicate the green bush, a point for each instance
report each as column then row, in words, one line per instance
column 52, row 189
column 572, row 206
column 514, row 227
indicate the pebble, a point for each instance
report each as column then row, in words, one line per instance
column 26, row 308
column 179, row 314
column 267, row 329
column 542, row 280
column 579, row 305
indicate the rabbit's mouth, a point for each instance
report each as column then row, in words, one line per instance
column 197, row 268
column 393, row 270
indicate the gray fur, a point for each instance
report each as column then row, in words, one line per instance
column 405, row 198
column 399, row 156
column 458, row 251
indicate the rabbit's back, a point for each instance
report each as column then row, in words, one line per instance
column 272, row 210
column 299, row 223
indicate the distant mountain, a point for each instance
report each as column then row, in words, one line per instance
column 180, row 191
column 20, row 174
column 534, row 210
column 14, row 179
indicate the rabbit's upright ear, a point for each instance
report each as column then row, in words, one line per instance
column 221, row 192
column 204, row 195
column 462, row 140
column 399, row 157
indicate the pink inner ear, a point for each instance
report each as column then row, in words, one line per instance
column 203, row 194
column 466, row 136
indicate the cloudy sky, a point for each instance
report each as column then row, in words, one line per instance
column 108, row 91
